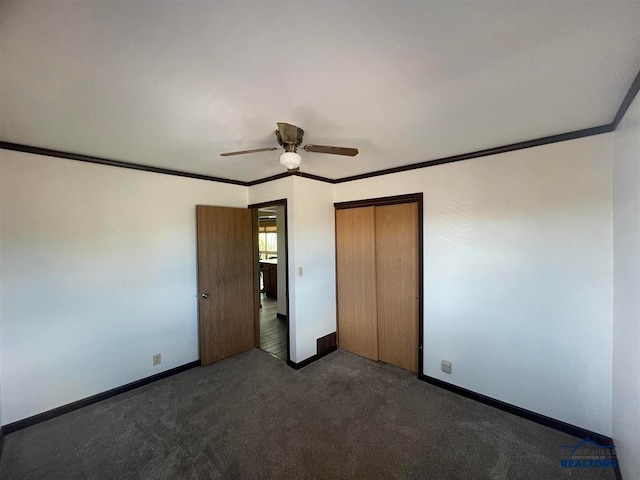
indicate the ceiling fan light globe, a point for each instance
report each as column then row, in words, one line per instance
column 290, row 160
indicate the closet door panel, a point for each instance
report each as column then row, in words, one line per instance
column 356, row 281
column 396, row 255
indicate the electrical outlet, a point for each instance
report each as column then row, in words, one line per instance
column 157, row 359
column 446, row 366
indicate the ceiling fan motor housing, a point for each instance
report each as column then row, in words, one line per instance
column 289, row 136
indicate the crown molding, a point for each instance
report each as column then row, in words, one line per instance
column 17, row 147
column 627, row 101
column 562, row 137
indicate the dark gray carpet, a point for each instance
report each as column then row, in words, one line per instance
column 251, row 416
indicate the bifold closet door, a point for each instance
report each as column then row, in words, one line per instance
column 396, row 228
column 356, row 281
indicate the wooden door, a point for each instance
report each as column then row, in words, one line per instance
column 356, row 281
column 396, row 235
column 227, row 281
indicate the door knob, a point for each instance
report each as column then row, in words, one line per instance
column 205, row 295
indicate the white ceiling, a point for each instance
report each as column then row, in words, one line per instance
column 173, row 84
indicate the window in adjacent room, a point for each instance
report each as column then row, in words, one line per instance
column 268, row 238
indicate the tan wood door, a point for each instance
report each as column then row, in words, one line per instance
column 397, row 284
column 227, row 281
column 356, row 281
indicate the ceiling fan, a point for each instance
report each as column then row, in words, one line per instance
column 290, row 139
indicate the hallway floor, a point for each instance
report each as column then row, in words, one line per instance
column 273, row 330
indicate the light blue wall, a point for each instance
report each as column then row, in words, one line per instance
column 626, row 312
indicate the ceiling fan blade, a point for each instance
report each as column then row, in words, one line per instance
column 255, row 150
column 289, row 133
column 351, row 152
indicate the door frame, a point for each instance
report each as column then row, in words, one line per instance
column 255, row 207
column 395, row 200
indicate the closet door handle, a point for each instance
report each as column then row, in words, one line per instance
column 205, row 295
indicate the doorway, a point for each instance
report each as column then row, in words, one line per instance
column 272, row 329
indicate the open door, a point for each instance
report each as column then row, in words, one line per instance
column 227, row 281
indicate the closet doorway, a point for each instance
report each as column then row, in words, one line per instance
column 379, row 279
